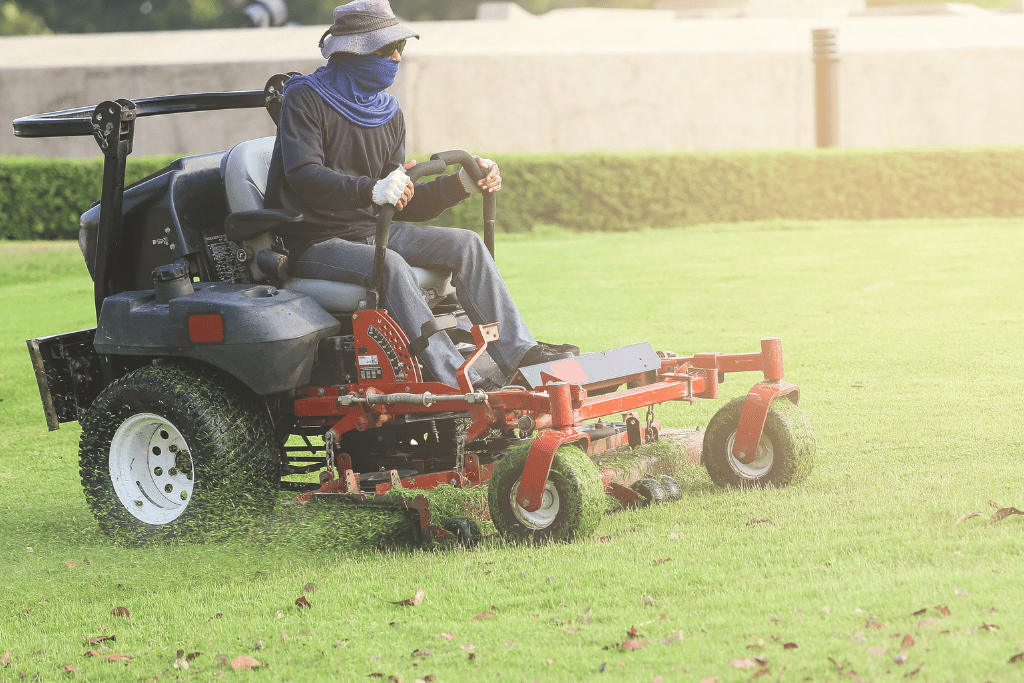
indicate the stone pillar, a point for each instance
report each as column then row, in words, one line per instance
column 826, row 87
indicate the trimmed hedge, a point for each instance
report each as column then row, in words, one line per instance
column 43, row 198
column 630, row 191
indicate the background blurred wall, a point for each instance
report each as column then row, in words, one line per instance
column 567, row 82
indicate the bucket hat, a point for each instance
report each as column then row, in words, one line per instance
column 362, row 27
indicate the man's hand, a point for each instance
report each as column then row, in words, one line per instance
column 489, row 183
column 395, row 189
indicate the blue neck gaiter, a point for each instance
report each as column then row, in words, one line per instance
column 354, row 86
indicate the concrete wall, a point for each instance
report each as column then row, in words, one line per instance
column 572, row 82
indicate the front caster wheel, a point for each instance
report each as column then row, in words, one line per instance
column 573, row 498
column 785, row 453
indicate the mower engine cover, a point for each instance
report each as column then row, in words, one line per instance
column 264, row 336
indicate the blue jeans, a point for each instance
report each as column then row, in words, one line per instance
column 478, row 285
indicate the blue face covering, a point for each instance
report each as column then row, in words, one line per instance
column 354, row 86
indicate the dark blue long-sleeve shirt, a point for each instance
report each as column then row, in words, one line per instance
column 325, row 167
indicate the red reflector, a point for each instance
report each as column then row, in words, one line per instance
column 206, row 328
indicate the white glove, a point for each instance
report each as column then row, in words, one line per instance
column 390, row 189
column 468, row 184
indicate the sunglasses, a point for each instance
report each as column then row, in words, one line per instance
column 391, row 48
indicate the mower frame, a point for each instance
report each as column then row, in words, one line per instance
column 554, row 403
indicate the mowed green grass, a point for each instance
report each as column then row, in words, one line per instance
column 905, row 338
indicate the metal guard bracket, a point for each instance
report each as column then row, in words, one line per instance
column 755, row 411
column 112, row 123
column 538, row 464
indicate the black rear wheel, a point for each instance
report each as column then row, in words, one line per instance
column 170, row 452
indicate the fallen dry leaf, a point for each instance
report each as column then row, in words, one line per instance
column 988, row 627
column 994, row 504
column 446, row 636
column 634, row 644
column 100, row 639
column 877, row 650
column 1017, row 658
column 789, row 646
column 245, row 662
column 900, row 658
column 68, row 668
column 710, row 679
column 911, row 673
column 71, row 565
column 120, row 612
column 192, row 655
column 309, row 587
column 966, row 516
column 930, row 621
column 114, row 656
column 422, row 652
column 662, row 560
column 919, row 612
column 632, row 633
column 943, row 610
column 908, row 641
column 301, row 601
column 761, row 520
column 484, row 615
column 572, row 631
column 1003, row 513
column 761, row 672
column 5, row 659
column 416, row 599
column 743, row 663
column 875, row 624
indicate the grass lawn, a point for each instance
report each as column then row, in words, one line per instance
column 905, row 338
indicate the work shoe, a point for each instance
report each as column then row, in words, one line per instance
column 488, row 384
column 547, row 353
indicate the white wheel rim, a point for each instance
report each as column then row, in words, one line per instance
column 542, row 517
column 757, row 467
column 151, row 469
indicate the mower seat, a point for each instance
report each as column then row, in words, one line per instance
column 244, row 170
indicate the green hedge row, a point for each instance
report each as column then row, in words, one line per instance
column 43, row 198
column 630, row 191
